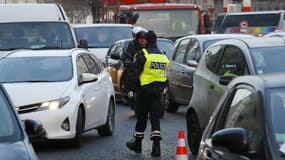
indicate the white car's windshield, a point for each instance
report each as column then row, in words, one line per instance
column 35, row 35
column 170, row 23
column 268, row 60
column 9, row 129
column 102, row 37
column 35, row 69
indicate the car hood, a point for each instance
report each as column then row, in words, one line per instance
column 31, row 93
column 99, row 52
column 14, row 151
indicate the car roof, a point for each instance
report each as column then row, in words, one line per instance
column 261, row 81
column 130, row 39
column 31, row 12
column 41, row 53
column 275, row 34
column 254, row 12
column 257, row 42
column 205, row 37
column 156, row 6
column 101, row 25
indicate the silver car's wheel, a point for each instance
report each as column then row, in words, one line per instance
column 108, row 128
column 193, row 132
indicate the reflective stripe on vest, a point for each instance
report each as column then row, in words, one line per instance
column 154, row 68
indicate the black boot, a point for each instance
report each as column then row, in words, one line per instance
column 155, row 149
column 135, row 145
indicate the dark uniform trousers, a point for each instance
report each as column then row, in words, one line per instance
column 148, row 102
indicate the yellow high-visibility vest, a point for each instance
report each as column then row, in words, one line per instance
column 154, row 68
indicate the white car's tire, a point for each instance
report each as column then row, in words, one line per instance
column 108, row 128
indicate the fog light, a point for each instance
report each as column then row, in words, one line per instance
column 65, row 125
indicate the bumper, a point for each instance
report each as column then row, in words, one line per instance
column 52, row 122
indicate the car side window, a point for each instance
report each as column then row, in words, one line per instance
column 120, row 48
column 212, row 57
column 81, row 66
column 242, row 113
column 181, row 51
column 233, row 62
column 193, row 51
column 112, row 49
column 91, row 64
column 97, row 62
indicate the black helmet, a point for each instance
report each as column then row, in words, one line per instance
column 150, row 37
column 140, row 34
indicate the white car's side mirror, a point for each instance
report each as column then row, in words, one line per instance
column 87, row 77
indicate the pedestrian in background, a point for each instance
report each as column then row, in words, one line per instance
column 149, row 65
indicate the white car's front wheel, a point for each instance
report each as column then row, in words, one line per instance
column 108, row 128
column 79, row 126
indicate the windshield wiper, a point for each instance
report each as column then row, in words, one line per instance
column 28, row 81
column 11, row 49
column 48, row 47
column 37, row 81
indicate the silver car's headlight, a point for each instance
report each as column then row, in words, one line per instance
column 55, row 104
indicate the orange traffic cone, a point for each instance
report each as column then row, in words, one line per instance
column 181, row 151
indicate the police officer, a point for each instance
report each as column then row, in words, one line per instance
column 135, row 45
column 150, row 64
column 129, row 85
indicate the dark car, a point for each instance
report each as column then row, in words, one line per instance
column 255, row 23
column 115, row 66
column 248, row 122
column 14, row 143
column 222, row 62
column 184, row 59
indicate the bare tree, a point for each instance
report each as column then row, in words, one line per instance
column 95, row 9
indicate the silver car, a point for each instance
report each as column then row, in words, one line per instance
column 184, row 60
column 222, row 62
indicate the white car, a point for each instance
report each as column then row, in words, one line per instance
column 68, row 91
column 101, row 36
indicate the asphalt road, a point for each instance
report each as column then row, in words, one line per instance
column 95, row 147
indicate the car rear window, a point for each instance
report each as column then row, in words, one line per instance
column 251, row 23
column 268, row 59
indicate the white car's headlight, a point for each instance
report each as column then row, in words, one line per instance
column 55, row 104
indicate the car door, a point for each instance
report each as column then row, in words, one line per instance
column 115, row 65
column 239, row 110
column 202, row 81
column 106, row 89
column 232, row 61
column 91, row 93
column 193, row 54
column 176, row 72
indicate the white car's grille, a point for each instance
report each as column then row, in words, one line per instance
column 28, row 108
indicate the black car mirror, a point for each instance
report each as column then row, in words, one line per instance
column 234, row 139
column 225, row 80
column 192, row 63
column 115, row 55
column 34, row 128
column 83, row 44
